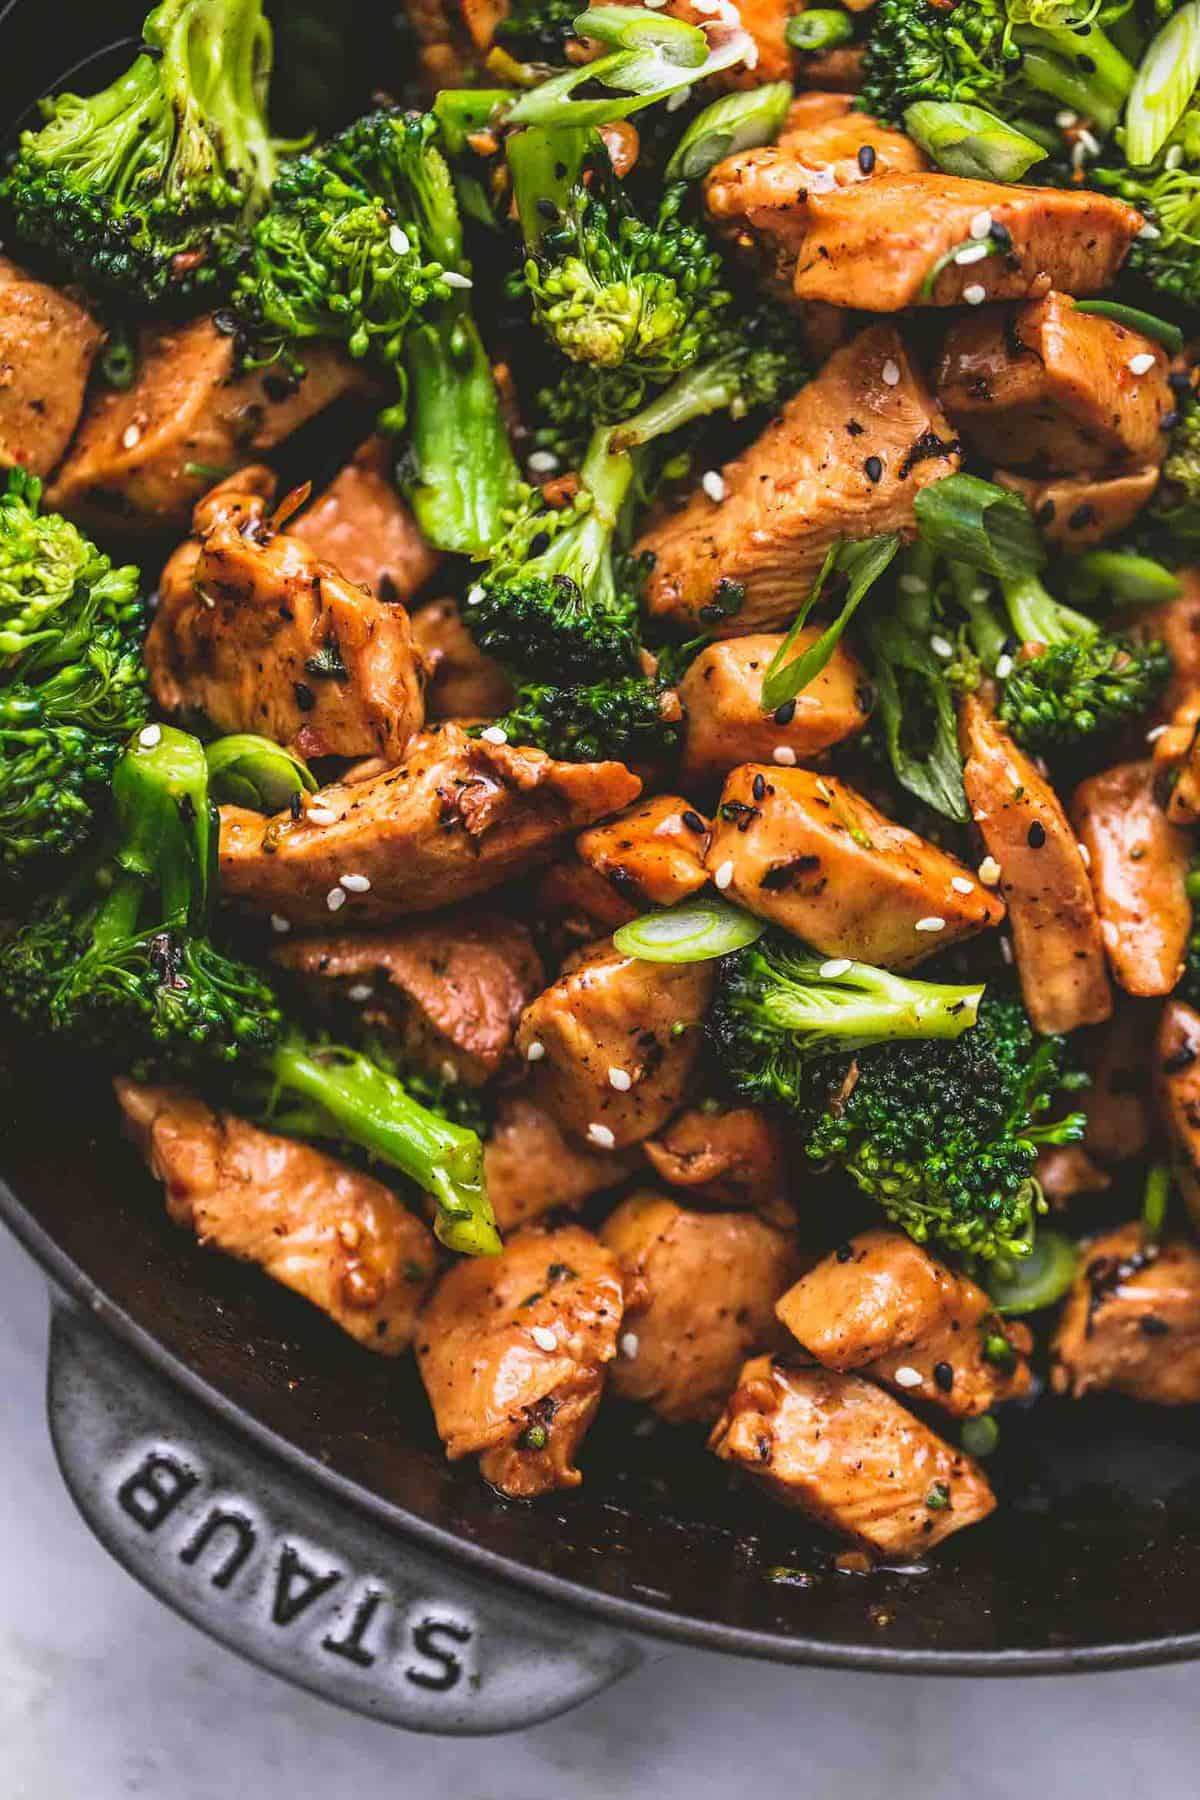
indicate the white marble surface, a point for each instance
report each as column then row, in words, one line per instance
column 104, row 1694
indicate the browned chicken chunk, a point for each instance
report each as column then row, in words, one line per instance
column 652, row 853
column 330, row 1233
column 700, row 1291
column 532, row 1167
column 814, row 856
column 1131, row 1322
column 1077, row 512
column 722, row 702
column 255, row 633
column 1176, row 624
column 143, row 455
column 512, row 1350
column 1138, row 863
column 449, row 990
column 735, row 1156
column 1117, row 1103
column 1055, row 925
column 458, row 817
column 574, row 905
column 463, row 682
column 847, row 456
column 1064, row 1171
column 1177, row 1085
column 1048, row 387
column 883, row 245
column 1177, row 761
column 48, row 343
column 882, row 1305
column 362, row 526
column 850, row 1456
column 614, row 1041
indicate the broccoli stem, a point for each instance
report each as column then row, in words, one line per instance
column 1083, row 69
column 1037, row 617
column 1071, row 88
column 709, row 387
column 863, row 1005
column 366, row 1106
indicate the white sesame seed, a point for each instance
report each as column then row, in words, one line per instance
column 362, row 990
column 891, row 372
column 1004, row 667
column 724, row 875
column 977, row 595
column 1078, row 155
column 837, row 965
column 335, row 898
column 941, row 647
column 973, row 253
column 495, row 734
column 1006, row 949
column 679, row 98
column 320, row 815
column 1153, row 735
column 535, row 1051
column 398, row 239
column 1085, row 855
column 130, row 436
column 932, row 923
column 543, row 462
column 1142, row 363
column 1066, row 119
column 962, row 884
column 601, row 1136
column 448, row 1072
column 705, row 6
column 981, row 224
column 356, row 884
column 620, row 1079
column 908, row 1377
column 655, row 5
column 475, row 594
column 713, row 484
column 975, row 295
column 629, row 1345
column 1149, row 234
column 1090, row 142
column 544, row 1339
column 453, row 279
column 913, row 584
column 280, row 924
column 750, row 55
column 784, row 755
column 150, row 735
column 989, row 872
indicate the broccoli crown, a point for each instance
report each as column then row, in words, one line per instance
column 1169, row 528
column 140, row 192
column 623, row 720
column 1081, row 690
column 539, row 30
column 72, row 682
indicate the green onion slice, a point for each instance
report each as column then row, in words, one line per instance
column 971, row 142
column 734, row 122
column 980, row 1436
column 652, row 55
column 1037, row 1280
column 862, row 562
column 246, row 770
column 1161, row 331
column 975, row 522
column 1155, row 1199
column 1163, row 86
column 694, row 931
column 818, row 28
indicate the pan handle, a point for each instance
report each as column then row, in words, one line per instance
column 307, row 1585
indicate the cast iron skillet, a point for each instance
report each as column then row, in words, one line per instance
column 287, row 1492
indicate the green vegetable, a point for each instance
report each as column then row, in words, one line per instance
column 621, row 718
column 979, row 1437
column 245, row 770
column 731, row 124
column 818, row 29
column 1155, row 1200
column 1163, row 86
column 1161, row 331
column 696, row 930
column 971, row 142
column 975, row 522
column 538, row 31
column 1119, row 578
column 1170, row 526
column 860, row 563
column 1039, row 1278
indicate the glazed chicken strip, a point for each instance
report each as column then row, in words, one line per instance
column 1131, row 1322
column 531, row 1167
column 652, row 853
column 1177, row 1087
column 448, row 991
column 254, row 633
column 1077, row 512
column 463, row 682
column 811, row 854
column 48, row 343
column 1177, row 761
column 614, row 1041
column 700, row 1291
column 883, row 1306
column 736, row 1157
column 144, row 455
column 458, row 817
column 1117, row 1102
column 879, row 246
column 1138, row 863
column 1047, row 387
column 1051, row 908
column 362, row 526
column 847, row 456
column 721, row 695
column 850, row 1456
column 1176, row 624
column 333, row 1235
column 512, row 1350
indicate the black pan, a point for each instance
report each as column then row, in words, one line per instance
column 287, row 1492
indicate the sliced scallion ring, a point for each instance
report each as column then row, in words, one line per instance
column 247, row 770
column 1039, row 1279
column 1163, row 86
column 1161, row 331
column 694, row 931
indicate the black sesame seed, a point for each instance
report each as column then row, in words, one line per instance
column 694, row 822
column 943, row 1375
column 1152, row 1326
column 759, row 788
column 866, row 158
column 1169, row 421
column 1045, row 513
column 1083, row 515
column 874, row 468
column 845, row 1253
column 786, row 713
column 1000, row 234
column 1035, row 837
column 305, row 698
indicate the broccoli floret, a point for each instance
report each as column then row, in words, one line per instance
column 538, row 31
column 1169, row 528
column 72, row 682
column 141, row 192
column 121, row 962
column 623, row 719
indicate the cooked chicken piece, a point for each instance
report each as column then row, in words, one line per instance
column 254, row 632
column 850, row 1456
column 463, row 682
column 1131, row 1322
column 1138, row 863
column 512, row 1350
column 847, row 456
column 330, row 1233
column 1177, row 1088
column 722, row 702
column 531, row 1167
column 445, row 47
column 1077, row 512
column 143, row 456
column 449, row 990
column 1064, row 1171
column 362, row 526
column 1117, row 1103
column 653, row 853
column 574, row 905
column 458, row 817
column 882, row 1305
column 700, row 1291
column 1177, row 625
column 1055, row 925
column 1048, row 387
column 737, row 1157
column 615, row 1040
column 814, row 856
column 839, row 70
column 1177, row 761
column 887, row 244
column 48, row 343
